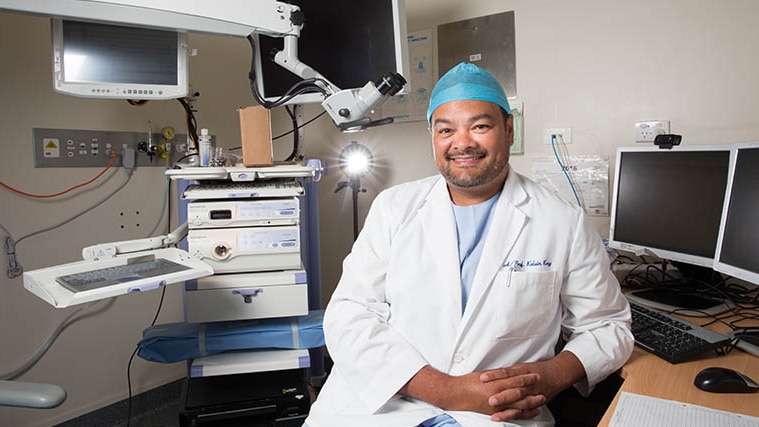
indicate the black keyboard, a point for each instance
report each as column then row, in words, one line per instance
column 674, row 340
column 108, row 276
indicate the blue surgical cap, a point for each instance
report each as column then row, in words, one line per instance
column 467, row 82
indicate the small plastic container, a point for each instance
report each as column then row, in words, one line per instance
column 206, row 147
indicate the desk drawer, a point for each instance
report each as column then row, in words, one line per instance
column 247, row 296
column 257, row 302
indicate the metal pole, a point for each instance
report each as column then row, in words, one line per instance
column 356, row 187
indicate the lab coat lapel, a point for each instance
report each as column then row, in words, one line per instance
column 440, row 234
column 506, row 227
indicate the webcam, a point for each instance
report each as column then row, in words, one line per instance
column 667, row 141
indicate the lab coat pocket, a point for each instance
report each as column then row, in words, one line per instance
column 527, row 302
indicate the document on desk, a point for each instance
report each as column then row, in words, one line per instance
column 635, row 410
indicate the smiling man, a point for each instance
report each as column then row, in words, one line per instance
column 471, row 142
column 459, row 287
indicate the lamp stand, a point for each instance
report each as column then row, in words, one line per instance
column 355, row 184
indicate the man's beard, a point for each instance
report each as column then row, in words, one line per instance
column 485, row 173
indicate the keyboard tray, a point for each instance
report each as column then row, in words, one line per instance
column 109, row 276
column 43, row 282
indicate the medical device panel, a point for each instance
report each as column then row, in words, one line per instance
column 246, row 249
column 243, row 213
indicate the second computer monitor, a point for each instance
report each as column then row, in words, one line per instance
column 738, row 243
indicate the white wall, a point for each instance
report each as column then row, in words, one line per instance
column 596, row 66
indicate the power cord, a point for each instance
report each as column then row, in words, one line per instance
column 60, row 193
column 192, row 123
column 564, row 169
column 166, row 205
column 303, row 86
column 296, row 136
column 131, row 358
column 14, row 268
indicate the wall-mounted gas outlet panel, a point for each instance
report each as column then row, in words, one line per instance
column 70, row 148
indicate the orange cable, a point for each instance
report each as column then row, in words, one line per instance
column 47, row 196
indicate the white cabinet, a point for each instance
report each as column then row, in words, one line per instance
column 247, row 296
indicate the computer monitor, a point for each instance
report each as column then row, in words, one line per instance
column 349, row 43
column 97, row 60
column 668, row 203
column 738, row 242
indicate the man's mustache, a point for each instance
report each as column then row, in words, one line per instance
column 470, row 152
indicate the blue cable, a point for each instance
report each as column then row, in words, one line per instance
column 563, row 169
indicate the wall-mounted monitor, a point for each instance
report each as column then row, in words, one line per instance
column 738, row 242
column 96, row 60
column 349, row 43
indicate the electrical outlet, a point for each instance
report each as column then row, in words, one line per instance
column 647, row 131
column 562, row 135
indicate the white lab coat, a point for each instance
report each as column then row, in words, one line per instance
column 397, row 306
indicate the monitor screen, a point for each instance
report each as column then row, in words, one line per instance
column 110, row 61
column 738, row 246
column 348, row 43
column 669, row 202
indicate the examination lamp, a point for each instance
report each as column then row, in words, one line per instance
column 355, row 161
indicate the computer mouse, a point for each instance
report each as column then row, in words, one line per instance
column 725, row 380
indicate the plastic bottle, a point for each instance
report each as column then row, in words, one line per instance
column 204, row 140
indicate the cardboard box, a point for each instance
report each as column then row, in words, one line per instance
column 255, row 134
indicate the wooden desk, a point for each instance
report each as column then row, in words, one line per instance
column 650, row 375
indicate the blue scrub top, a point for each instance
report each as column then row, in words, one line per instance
column 472, row 224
